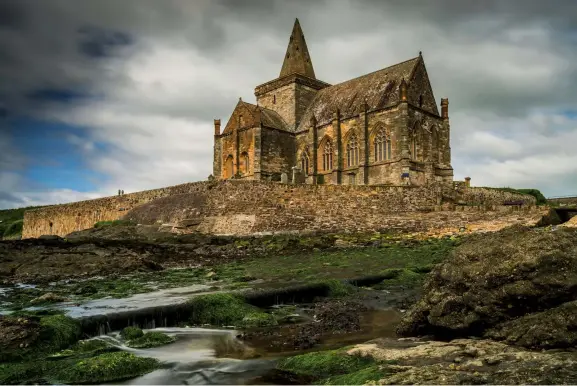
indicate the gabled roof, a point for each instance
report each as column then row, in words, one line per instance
column 379, row 89
column 258, row 114
column 297, row 59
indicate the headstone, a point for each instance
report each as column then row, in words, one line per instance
column 284, row 178
column 298, row 175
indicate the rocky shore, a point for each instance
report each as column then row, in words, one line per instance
column 487, row 308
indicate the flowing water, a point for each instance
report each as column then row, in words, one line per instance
column 199, row 357
column 204, row 356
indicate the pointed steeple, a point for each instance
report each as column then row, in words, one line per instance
column 297, row 59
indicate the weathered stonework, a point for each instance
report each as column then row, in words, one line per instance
column 382, row 128
column 246, row 207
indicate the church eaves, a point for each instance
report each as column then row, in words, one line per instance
column 297, row 59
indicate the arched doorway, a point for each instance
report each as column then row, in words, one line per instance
column 228, row 167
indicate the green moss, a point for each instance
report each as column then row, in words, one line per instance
column 406, row 277
column 221, row 309
column 258, row 319
column 129, row 333
column 84, row 348
column 324, row 364
column 35, row 372
column 360, row 377
column 338, row 289
column 108, row 367
column 151, row 339
column 57, row 332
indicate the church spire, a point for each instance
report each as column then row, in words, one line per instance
column 297, row 59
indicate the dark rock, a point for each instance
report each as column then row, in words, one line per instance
column 554, row 328
column 50, row 237
column 494, row 278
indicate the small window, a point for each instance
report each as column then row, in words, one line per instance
column 420, row 100
column 274, row 99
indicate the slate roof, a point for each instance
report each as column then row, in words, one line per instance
column 379, row 89
column 270, row 118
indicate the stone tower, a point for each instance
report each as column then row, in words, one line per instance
column 292, row 92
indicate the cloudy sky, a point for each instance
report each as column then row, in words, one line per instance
column 101, row 95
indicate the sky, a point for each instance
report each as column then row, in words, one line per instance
column 101, row 95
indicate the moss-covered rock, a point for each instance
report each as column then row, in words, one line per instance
column 108, row 367
column 554, row 328
column 221, row 309
column 324, row 364
column 151, row 339
column 491, row 279
column 32, row 337
column 85, row 348
column 338, row 288
column 129, row 333
column 258, row 319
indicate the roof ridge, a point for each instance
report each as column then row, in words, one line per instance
column 372, row 72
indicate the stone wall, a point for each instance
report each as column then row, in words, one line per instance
column 563, row 201
column 245, row 207
column 66, row 218
column 493, row 197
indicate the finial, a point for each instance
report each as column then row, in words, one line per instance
column 420, row 53
column 240, row 99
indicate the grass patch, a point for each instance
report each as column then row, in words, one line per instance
column 151, row 339
column 359, row 377
column 324, row 364
column 8, row 217
column 14, row 229
column 101, row 224
column 258, row 319
column 107, row 367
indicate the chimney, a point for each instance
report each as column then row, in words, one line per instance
column 468, row 182
column 217, row 127
column 445, row 108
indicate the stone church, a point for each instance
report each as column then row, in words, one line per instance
column 382, row 128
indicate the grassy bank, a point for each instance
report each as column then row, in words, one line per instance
column 11, row 221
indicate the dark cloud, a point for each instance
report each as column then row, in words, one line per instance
column 162, row 70
column 12, row 15
column 99, row 43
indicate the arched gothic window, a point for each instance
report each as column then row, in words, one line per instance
column 352, row 151
column 244, row 163
column 328, row 155
column 305, row 163
column 413, row 146
column 382, row 146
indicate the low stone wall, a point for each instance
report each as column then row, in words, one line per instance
column 243, row 207
column 66, row 218
column 493, row 197
column 564, row 201
column 232, row 206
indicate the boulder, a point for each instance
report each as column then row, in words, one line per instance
column 491, row 279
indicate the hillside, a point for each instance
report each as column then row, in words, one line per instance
column 11, row 222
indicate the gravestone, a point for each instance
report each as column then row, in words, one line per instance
column 283, row 178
